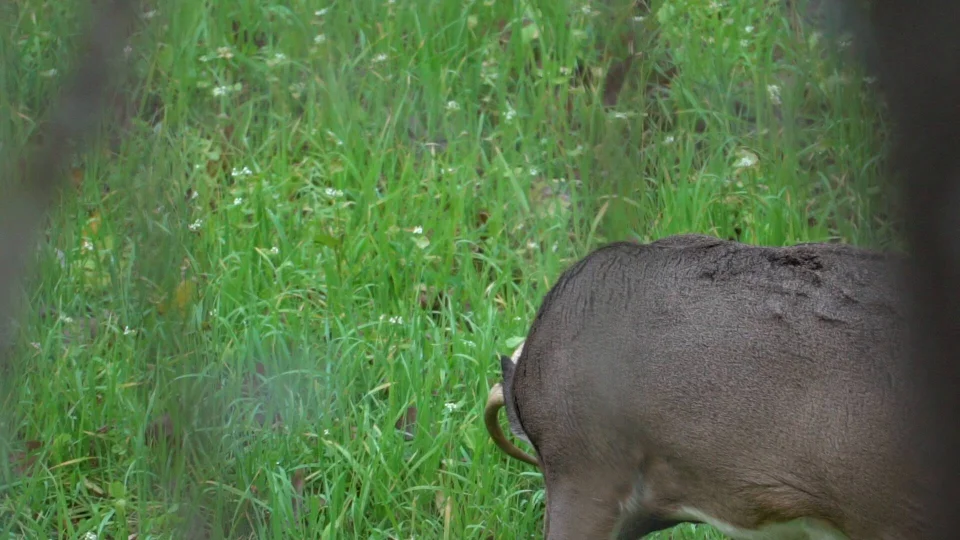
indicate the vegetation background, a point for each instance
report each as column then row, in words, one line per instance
column 271, row 303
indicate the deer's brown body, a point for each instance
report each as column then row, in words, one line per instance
column 759, row 389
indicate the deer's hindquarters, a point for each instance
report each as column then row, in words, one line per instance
column 695, row 379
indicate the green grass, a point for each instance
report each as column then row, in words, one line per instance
column 331, row 220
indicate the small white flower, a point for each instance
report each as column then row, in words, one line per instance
column 127, row 331
column 774, row 92
column 224, row 52
column 748, row 29
column 586, row 10
column 150, row 14
column 392, row 320
column 326, row 433
column 219, row 91
column 668, row 139
column 319, row 38
column 50, row 73
column 417, row 230
column 333, row 136
column 534, row 171
column 333, row 193
column 532, row 245
column 744, row 43
column 90, row 536
column 238, row 201
column 66, row 320
column 450, row 407
column 87, row 245
column 237, row 173
column 127, row 51
column 619, row 115
column 379, row 58
column 195, row 226
column 510, row 114
column 321, row 12
column 639, row 18
column 453, row 106
column 746, row 159
column 274, row 250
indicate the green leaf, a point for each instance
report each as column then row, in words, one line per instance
column 117, row 490
column 514, row 342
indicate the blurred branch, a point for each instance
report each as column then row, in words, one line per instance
column 73, row 120
column 918, row 63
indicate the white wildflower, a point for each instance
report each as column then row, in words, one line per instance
column 321, row 12
column 224, row 52
column 453, row 106
column 379, row 58
column 274, row 250
column 195, row 226
column 319, row 38
column 333, row 193
column 774, row 92
column 746, row 159
column 238, row 201
column 417, row 230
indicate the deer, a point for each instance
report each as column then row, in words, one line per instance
column 762, row 390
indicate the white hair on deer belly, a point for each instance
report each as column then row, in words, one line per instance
column 798, row 529
column 516, row 353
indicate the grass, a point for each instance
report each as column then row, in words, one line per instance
column 272, row 304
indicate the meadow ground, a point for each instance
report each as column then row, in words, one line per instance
column 270, row 306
